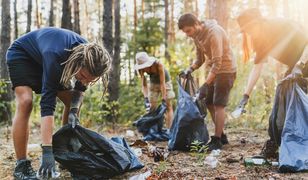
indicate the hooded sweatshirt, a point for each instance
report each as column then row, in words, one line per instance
column 213, row 48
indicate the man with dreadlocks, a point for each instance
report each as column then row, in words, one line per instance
column 47, row 61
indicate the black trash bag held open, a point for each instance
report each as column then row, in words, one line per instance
column 151, row 125
column 88, row 155
column 292, row 113
column 191, row 88
column 188, row 123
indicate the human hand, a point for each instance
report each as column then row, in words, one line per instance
column 48, row 165
column 296, row 72
column 203, row 91
column 73, row 117
column 147, row 104
column 240, row 109
column 185, row 73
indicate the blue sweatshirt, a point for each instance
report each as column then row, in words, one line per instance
column 48, row 47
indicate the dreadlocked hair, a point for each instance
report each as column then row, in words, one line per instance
column 94, row 57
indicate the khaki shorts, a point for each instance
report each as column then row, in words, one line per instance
column 155, row 92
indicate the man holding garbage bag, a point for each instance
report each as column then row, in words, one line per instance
column 46, row 61
column 213, row 48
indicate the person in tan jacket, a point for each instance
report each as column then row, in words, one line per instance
column 214, row 50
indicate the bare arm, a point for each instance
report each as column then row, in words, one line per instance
column 144, row 85
column 46, row 129
column 304, row 58
column 253, row 78
column 162, row 81
column 77, row 98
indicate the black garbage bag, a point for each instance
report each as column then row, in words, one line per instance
column 289, row 125
column 151, row 125
column 88, row 155
column 188, row 123
column 191, row 88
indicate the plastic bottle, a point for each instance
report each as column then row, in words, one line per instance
column 255, row 161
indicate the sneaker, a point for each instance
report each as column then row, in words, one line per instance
column 24, row 170
column 224, row 139
column 214, row 144
column 270, row 149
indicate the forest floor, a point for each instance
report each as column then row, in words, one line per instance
column 244, row 142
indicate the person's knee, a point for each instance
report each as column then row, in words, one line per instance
column 25, row 102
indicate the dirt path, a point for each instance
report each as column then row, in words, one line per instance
column 179, row 165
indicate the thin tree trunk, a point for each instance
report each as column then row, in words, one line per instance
column 167, row 55
column 37, row 13
column 218, row 10
column 29, row 16
column 142, row 11
column 76, row 17
column 114, row 75
column 15, row 20
column 172, row 29
column 51, row 14
column 108, row 43
column 66, row 15
column 5, row 110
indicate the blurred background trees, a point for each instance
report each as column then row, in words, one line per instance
column 126, row 27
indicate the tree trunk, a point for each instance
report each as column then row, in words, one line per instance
column 113, row 86
column 172, row 28
column 76, row 17
column 29, row 16
column 66, row 15
column 15, row 20
column 107, row 26
column 38, row 15
column 51, row 14
column 218, row 10
column 6, row 97
column 167, row 55
column 108, row 43
column 142, row 11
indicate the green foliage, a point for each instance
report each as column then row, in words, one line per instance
column 5, row 105
column 131, row 102
column 198, row 150
column 149, row 35
column 161, row 167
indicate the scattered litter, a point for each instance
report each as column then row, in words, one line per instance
column 130, row 133
column 211, row 161
column 215, row 153
column 142, row 176
column 139, row 143
column 137, row 151
column 158, row 153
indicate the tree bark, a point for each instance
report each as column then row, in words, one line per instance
column 76, row 17
column 108, row 43
column 107, row 26
column 6, row 97
column 167, row 55
column 218, row 10
column 66, row 15
column 51, row 14
column 113, row 86
column 29, row 16
column 38, row 15
column 15, row 20
column 172, row 28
